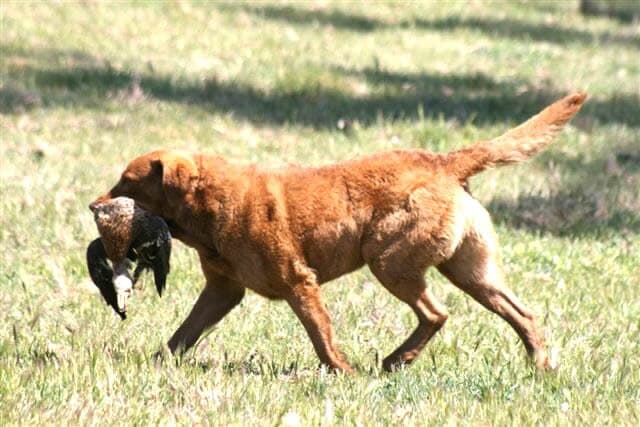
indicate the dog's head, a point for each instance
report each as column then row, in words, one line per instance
column 157, row 181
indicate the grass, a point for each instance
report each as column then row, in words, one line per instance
column 84, row 87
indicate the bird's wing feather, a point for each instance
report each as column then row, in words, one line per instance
column 102, row 274
column 161, row 266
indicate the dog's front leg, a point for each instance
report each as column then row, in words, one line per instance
column 306, row 303
column 216, row 300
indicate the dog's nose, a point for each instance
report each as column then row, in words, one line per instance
column 97, row 202
column 93, row 206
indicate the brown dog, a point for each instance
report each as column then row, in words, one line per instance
column 283, row 233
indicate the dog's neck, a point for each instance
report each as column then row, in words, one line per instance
column 198, row 217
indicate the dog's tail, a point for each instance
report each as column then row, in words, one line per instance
column 519, row 143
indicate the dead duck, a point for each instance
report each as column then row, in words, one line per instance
column 128, row 235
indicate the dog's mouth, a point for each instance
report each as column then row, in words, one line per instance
column 97, row 203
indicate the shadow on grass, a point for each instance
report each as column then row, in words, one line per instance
column 624, row 11
column 568, row 213
column 511, row 28
column 523, row 30
column 296, row 15
column 588, row 203
column 462, row 97
column 481, row 98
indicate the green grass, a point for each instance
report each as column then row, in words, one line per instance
column 84, row 87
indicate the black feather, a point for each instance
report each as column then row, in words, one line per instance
column 102, row 274
column 152, row 245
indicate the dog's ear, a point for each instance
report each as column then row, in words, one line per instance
column 179, row 173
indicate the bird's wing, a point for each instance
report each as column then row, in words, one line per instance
column 102, row 274
column 160, row 262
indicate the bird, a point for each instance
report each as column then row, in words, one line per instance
column 128, row 235
column 102, row 274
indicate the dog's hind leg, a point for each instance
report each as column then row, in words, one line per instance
column 474, row 269
column 412, row 289
column 216, row 300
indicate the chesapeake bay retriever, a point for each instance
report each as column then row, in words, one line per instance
column 283, row 233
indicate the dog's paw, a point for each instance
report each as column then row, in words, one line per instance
column 394, row 363
column 341, row 368
column 547, row 361
column 160, row 357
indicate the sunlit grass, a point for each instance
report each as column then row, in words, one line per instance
column 85, row 87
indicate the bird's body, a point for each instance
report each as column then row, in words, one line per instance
column 128, row 234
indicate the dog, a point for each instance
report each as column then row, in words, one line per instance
column 282, row 233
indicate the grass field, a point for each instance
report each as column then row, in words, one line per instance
column 86, row 86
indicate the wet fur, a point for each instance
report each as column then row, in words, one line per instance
column 282, row 233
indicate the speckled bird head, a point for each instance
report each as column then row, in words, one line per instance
column 114, row 219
